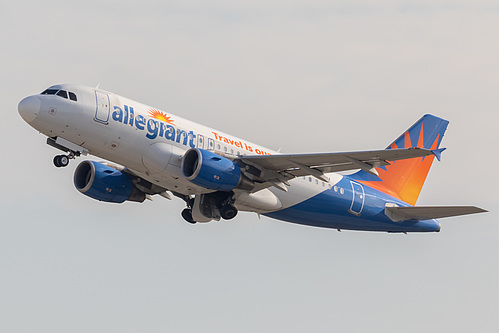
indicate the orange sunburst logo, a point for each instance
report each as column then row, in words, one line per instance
column 404, row 179
column 157, row 114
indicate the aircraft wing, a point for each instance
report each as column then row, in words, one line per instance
column 426, row 213
column 282, row 167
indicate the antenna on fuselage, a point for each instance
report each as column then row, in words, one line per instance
column 97, row 87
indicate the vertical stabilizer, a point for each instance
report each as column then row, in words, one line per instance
column 404, row 179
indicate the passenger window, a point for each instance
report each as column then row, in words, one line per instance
column 49, row 92
column 72, row 96
column 62, row 93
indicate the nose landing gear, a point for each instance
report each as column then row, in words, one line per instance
column 62, row 161
column 72, row 149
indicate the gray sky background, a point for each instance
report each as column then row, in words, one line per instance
column 304, row 76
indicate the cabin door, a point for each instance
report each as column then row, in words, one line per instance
column 357, row 199
column 102, row 107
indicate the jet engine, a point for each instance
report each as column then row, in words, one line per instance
column 212, row 171
column 104, row 183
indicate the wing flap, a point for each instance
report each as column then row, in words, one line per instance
column 396, row 213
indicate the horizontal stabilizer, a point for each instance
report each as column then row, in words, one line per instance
column 427, row 213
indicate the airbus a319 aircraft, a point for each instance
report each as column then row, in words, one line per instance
column 217, row 174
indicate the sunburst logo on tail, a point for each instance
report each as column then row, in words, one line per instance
column 404, row 179
column 157, row 114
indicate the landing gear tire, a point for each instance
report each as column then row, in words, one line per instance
column 187, row 215
column 228, row 212
column 61, row 161
column 64, row 160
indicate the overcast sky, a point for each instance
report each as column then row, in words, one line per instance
column 304, row 76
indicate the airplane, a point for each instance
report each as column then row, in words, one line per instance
column 153, row 152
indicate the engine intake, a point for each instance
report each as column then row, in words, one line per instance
column 212, row 171
column 104, row 183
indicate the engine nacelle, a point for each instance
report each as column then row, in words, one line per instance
column 104, row 183
column 212, row 171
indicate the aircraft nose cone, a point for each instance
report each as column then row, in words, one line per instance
column 29, row 107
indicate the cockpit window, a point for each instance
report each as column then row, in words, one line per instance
column 62, row 93
column 50, row 91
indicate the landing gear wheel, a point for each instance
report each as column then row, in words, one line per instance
column 61, row 161
column 187, row 215
column 228, row 212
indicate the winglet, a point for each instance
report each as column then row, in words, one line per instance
column 438, row 153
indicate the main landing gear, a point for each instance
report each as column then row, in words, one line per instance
column 224, row 202
column 228, row 212
column 211, row 206
column 187, row 215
